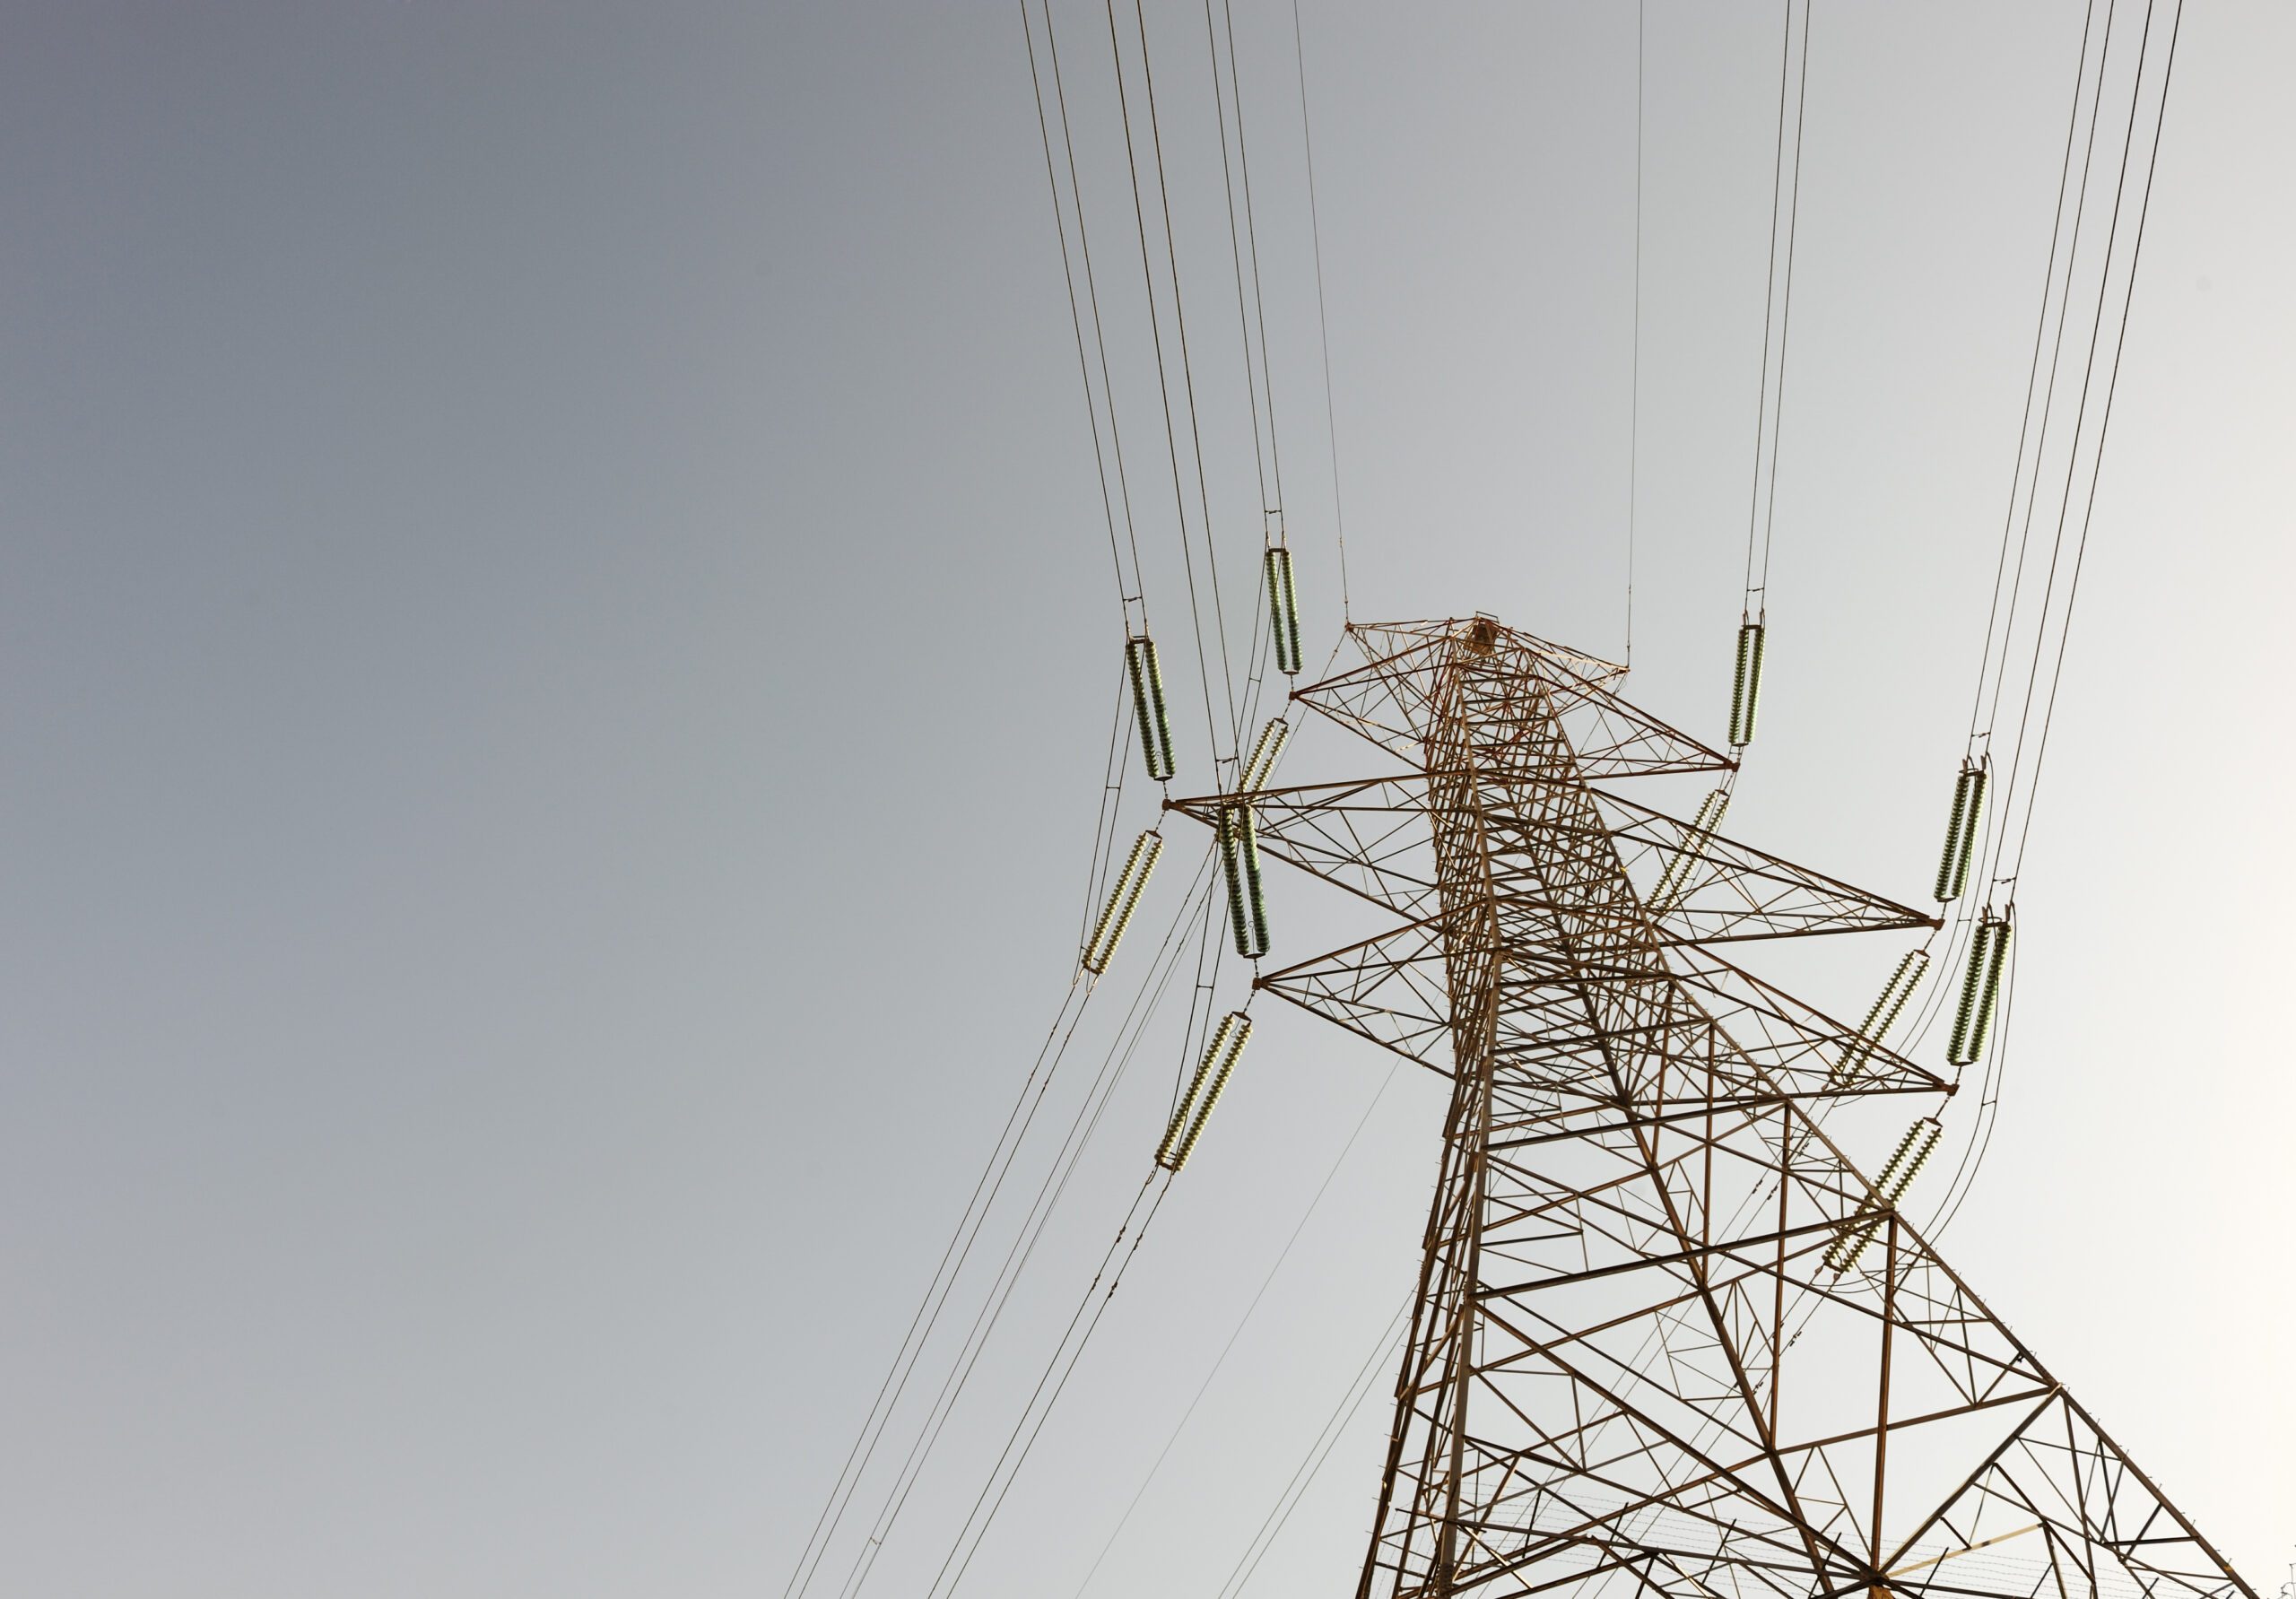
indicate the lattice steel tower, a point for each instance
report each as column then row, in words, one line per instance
column 1668, row 1338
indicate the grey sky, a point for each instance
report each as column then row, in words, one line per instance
column 556, row 645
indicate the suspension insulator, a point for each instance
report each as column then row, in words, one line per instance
column 1905, row 1164
column 1980, row 990
column 1283, row 609
column 1745, row 694
column 1240, row 862
column 1674, row 883
column 1124, row 897
column 1262, row 765
column 1961, row 832
column 1203, row 1091
column 1887, row 1006
column 1912, row 1154
column 1148, row 706
column 1997, row 962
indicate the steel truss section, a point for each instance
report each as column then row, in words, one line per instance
column 1630, row 1370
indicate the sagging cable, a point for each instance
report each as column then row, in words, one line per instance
column 1913, row 1153
column 1148, row 706
column 1239, row 860
column 1203, row 1091
column 1887, row 1007
column 1745, row 691
column 1283, row 609
column 1980, row 990
column 1961, row 832
column 1124, row 898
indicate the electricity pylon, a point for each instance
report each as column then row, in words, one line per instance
column 1668, row 1338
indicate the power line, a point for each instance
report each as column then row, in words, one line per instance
column 1159, row 1181
column 2004, row 859
column 2112, row 383
column 1323, row 319
column 1187, row 381
column 1163, row 383
column 1785, row 308
column 958, row 1251
column 1997, row 623
column 1769, row 405
column 1082, row 1128
column 2048, row 391
column 1360, row 1388
column 1267, row 460
column 2033, row 370
column 1241, row 1323
column 1634, row 385
column 1133, row 592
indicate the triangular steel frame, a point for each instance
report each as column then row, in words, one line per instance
column 1634, row 1366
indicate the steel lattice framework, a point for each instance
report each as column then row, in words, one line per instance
column 1630, row 1367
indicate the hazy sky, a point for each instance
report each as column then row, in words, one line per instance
column 556, row 645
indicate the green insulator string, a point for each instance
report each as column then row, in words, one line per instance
column 1240, row 864
column 1283, row 609
column 1148, row 706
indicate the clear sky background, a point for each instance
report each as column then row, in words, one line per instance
column 556, row 651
